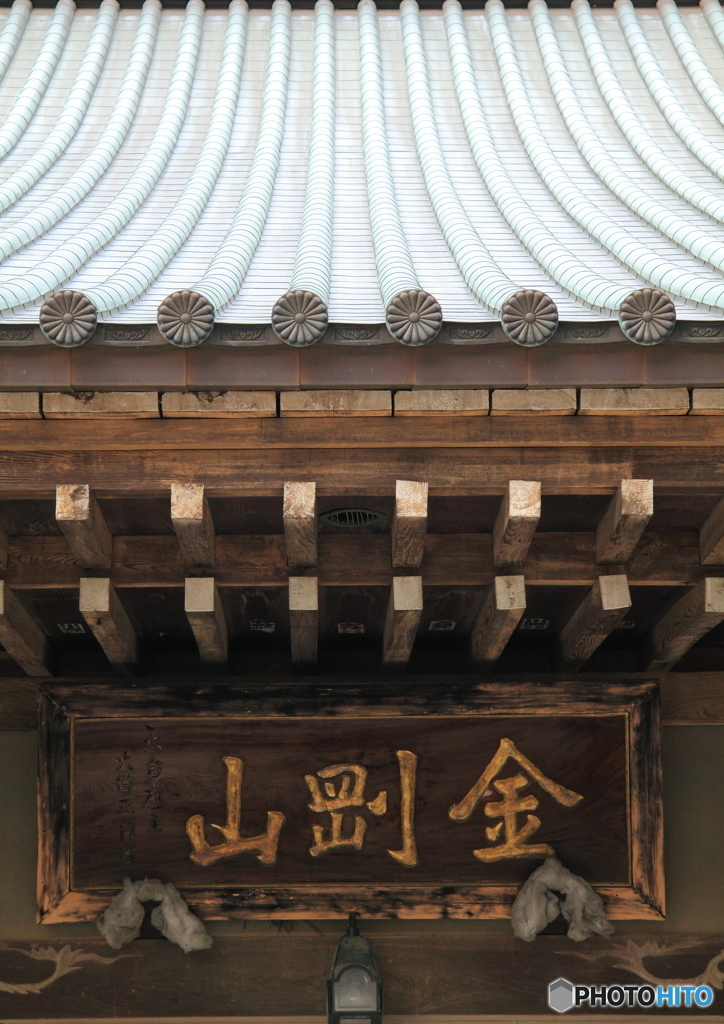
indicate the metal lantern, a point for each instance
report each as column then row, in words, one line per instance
column 354, row 988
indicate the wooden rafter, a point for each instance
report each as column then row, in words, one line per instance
column 84, row 526
column 601, row 610
column 409, row 524
column 304, row 619
column 501, row 609
column 625, row 520
column 106, row 617
column 403, row 617
column 21, row 636
column 205, row 614
column 516, row 523
column 191, row 518
column 689, row 620
column 300, row 523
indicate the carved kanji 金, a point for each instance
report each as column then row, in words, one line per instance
column 351, row 793
column 264, row 845
column 515, row 840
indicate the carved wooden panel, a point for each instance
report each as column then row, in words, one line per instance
column 302, row 801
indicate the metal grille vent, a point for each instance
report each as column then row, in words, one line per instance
column 352, row 516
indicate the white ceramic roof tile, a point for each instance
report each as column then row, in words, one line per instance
column 355, row 293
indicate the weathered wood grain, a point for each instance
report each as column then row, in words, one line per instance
column 625, row 520
column 403, row 617
column 84, row 526
column 3, row 549
column 601, row 610
column 665, row 558
column 711, row 537
column 191, row 518
column 500, row 612
column 300, row 523
column 409, row 524
column 516, row 523
column 689, row 620
column 21, row 636
column 106, row 617
column 304, row 619
column 205, row 614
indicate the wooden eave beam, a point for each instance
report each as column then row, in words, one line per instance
column 554, row 559
column 516, row 523
column 304, row 619
column 404, row 610
column 711, row 537
column 409, row 524
column 191, row 518
column 601, row 610
column 21, row 636
column 689, row 620
column 106, row 617
column 84, row 526
column 205, row 614
column 300, row 523
column 502, row 606
column 625, row 520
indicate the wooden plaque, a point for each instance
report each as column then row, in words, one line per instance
column 303, row 801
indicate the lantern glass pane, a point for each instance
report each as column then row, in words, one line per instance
column 355, row 990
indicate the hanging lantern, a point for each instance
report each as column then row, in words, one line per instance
column 354, row 988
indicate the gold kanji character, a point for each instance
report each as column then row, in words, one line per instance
column 264, row 845
column 351, row 793
column 514, row 843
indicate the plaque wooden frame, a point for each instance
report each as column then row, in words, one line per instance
column 62, row 705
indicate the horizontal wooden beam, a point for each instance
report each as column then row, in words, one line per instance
column 84, row 526
column 671, row 558
column 598, row 614
column 300, row 522
column 448, row 470
column 409, row 524
column 205, row 614
column 501, row 610
column 627, row 517
column 457, row 431
column 689, row 620
column 21, row 636
column 106, row 617
column 403, row 617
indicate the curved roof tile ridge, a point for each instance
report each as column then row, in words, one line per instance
column 300, row 316
column 228, row 268
column 699, row 74
column 627, row 120
column 64, row 261
column 33, row 89
column 700, row 243
column 47, row 213
column 12, row 32
column 673, row 110
column 134, row 277
column 643, row 260
column 527, row 315
column 73, row 110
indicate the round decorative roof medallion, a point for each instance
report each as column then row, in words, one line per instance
column 68, row 318
column 185, row 318
column 299, row 318
column 647, row 316
column 529, row 317
column 413, row 317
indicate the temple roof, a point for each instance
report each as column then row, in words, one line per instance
column 408, row 165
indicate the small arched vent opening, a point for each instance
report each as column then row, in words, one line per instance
column 352, row 516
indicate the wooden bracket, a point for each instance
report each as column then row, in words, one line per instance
column 21, row 636
column 689, row 620
column 84, row 526
column 204, row 611
column 101, row 608
column 191, row 518
column 516, row 523
column 304, row 619
column 409, row 524
column 502, row 606
column 625, row 520
column 403, row 618
column 300, row 523
column 601, row 610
